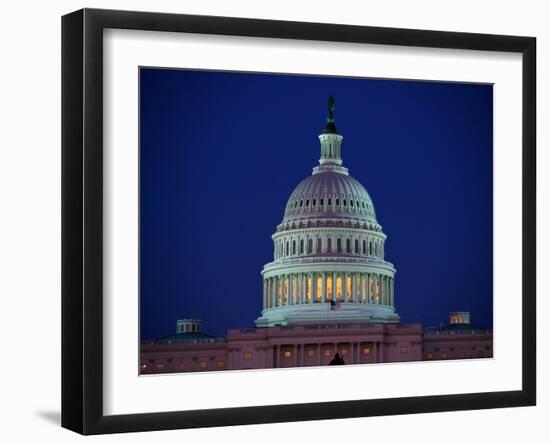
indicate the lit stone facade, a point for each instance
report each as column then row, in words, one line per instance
column 329, row 247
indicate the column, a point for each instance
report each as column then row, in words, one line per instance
column 392, row 295
column 319, row 353
column 367, row 277
column 302, row 288
column 324, row 287
column 290, row 288
column 265, row 294
column 354, row 286
column 295, row 354
column 314, row 287
column 277, row 356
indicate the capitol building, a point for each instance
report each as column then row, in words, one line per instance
column 329, row 248
column 328, row 290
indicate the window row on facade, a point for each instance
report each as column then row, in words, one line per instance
column 306, row 245
column 333, row 204
column 321, row 287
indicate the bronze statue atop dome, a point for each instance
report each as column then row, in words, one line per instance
column 330, row 128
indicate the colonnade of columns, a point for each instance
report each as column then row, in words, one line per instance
column 320, row 287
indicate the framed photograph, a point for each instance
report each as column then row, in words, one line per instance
column 269, row 221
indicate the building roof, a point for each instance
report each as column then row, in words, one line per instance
column 188, row 336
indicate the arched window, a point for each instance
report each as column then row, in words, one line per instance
column 321, row 202
column 293, row 247
column 302, row 246
column 314, row 202
column 329, row 202
column 301, row 203
column 337, row 202
column 344, row 201
column 307, row 202
column 364, row 246
column 319, row 246
column 356, row 246
column 376, row 248
column 350, row 203
column 286, row 250
column 329, row 245
column 348, row 245
column 339, row 245
column 310, row 246
column 370, row 248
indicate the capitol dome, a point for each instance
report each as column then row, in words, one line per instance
column 330, row 195
column 328, row 263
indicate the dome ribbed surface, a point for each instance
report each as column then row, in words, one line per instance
column 330, row 194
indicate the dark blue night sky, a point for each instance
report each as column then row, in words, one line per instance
column 221, row 152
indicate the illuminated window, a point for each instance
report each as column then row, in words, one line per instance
column 339, row 288
column 160, row 365
column 444, row 355
column 348, row 287
column 308, row 289
column 319, row 294
column 462, row 355
column 182, row 365
column 285, row 291
column 344, row 352
column 404, row 349
column 288, row 354
column 311, row 353
column 143, row 366
column 329, row 287
column 248, row 355
column 429, row 355
column 365, row 294
column 326, row 352
column 203, row 365
column 366, row 350
column 220, row 364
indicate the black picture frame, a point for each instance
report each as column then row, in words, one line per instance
column 82, row 218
